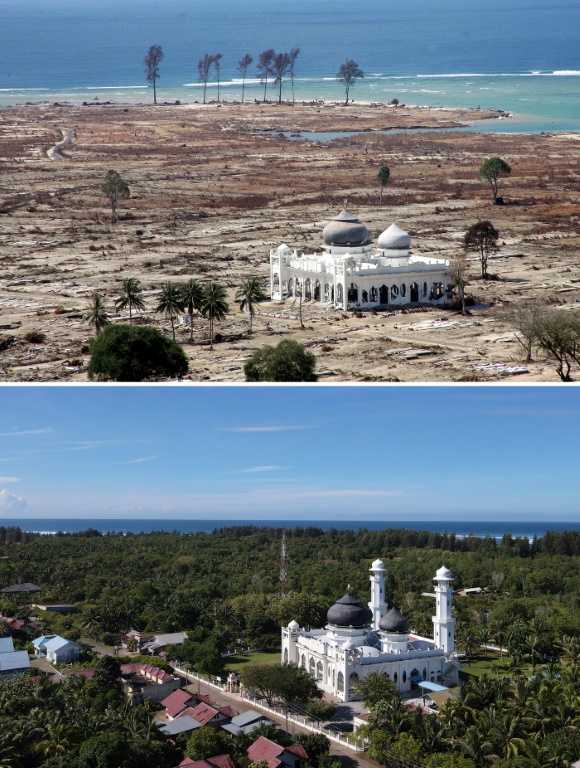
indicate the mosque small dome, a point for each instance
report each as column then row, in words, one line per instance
column 293, row 626
column 345, row 229
column 444, row 574
column 394, row 238
column 349, row 612
column 377, row 565
column 394, row 622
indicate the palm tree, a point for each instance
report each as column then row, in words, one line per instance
column 171, row 303
column 192, row 295
column 97, row 315
column 248, row 295
column 215, row 306
column 131, row 296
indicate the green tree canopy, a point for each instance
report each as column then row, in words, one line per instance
column 128, row 353
column 248, row 295
column 96, row 314
column 115, row 188
column 207, row 742
column 491, row 171
column 383, row 176
column 288, row 361
column 376, row 687
column 152, row 61
column 482, row 238
column 348, row 73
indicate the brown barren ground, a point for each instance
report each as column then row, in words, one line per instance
column 210, row 197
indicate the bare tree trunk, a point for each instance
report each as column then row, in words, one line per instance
column 154, row 91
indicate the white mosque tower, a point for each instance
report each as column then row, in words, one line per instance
column 444, row 623
column 378, row 603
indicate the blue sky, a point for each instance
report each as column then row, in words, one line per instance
column 357, row 453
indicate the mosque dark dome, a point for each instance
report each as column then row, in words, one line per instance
column 345, row 229
column 349, row 612
column 394, row 622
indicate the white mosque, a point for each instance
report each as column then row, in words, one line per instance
column 352, row 273
column 358, row 640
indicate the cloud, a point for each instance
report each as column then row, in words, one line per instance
column 137, row 461
column 26, row 432
column 11, row 503
column 259, row 469
column 9, row 479
column 342, row 493
column 278, row 428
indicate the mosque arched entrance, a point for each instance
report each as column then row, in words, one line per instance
column 383, row 295
column 414, row 293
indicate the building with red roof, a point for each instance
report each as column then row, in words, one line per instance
column 275, row 755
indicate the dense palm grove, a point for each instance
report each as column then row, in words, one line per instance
column 223, row 588
column 522, row 722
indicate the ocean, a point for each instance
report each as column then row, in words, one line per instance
column 460, row 528
column 513, row 55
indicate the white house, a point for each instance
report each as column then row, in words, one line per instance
column 56, row 649
column 358, row 640
column 351, row 273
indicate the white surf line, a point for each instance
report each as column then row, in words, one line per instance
column 68, row 136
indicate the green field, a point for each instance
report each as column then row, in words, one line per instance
column 490, row 665
column 237, row 663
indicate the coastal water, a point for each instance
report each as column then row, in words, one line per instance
column 513, row 56
column 460, row 528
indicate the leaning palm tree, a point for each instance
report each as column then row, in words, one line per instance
column 97, row 314
column 192, row 295
column 170, row 303
column 214, row 306
column 248, row 295
column 130, row 296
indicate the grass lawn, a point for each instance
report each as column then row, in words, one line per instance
column 237, row 663
column 490, row 664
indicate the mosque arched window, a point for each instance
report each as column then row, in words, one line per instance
column 394, row 291
column 365, row 297
column 403, row 290
column 311, row 666
column 319, row 669
column 340, row 682
column 424, row 290
column 339, row 292
column 326, row 291
column 383, row 294
column 414, row 293
column 395, row 678
column 307, row 289
column 404, row 677
column 374, row 294
column 276, row 281
column 303, row 661
column 352, row 293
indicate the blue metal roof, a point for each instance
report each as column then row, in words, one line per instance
column 435, row 687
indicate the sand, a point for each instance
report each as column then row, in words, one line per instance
column 210, row 196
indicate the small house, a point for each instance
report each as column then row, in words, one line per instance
column 56, row 649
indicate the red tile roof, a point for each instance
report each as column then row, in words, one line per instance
column 264, row 749
column 176, row 702
column 298, row 749
column 187, row 712
column 220, row 761
column 227, row 711
column 203, row 713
